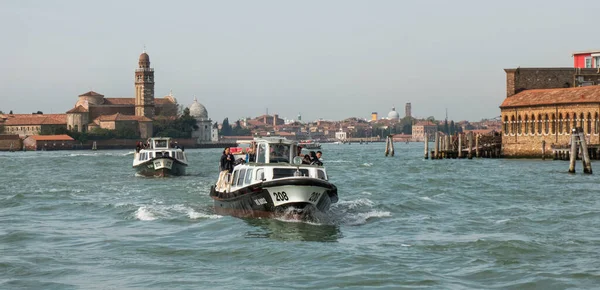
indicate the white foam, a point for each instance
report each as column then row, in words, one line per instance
column 405, row 245
column 357, row 203
column 362, row 218
column 198, row 215
column 368, row 164
column 502, row 221
column 144, row 214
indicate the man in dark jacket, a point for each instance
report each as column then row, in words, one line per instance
column 227, row 160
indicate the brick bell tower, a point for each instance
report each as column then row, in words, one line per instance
column 144, row 87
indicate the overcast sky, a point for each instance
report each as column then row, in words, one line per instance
column 323, row 59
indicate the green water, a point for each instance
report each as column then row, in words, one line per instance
column 83, row 220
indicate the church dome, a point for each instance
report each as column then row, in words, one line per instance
column 197, row 110
column 393, row 115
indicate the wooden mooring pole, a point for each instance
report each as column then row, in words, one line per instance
column 587, row 165
column 426, row 146
column 470, row 138
column 543, row 149
column 477, row 146
column 573, row 151
column 436, row 146
column 459, row 145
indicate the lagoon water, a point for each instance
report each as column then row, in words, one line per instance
column 84, row 220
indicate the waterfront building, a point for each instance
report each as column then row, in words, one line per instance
column 93, row 110
column 586, row 59
column 542, row 105
column 421, row 128
column 205, row 131
column 32, row 124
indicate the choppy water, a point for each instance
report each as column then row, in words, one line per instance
column 83, row 220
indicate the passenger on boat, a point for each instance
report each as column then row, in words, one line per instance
column 250, row 156
column 300, row 151
column 138, row 146
column 315, row 159
column 306, row 159
column 227, row 160
column 319, row 154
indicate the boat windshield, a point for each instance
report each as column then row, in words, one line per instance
column 160, row 144
column 279, row 153
column 287, row 172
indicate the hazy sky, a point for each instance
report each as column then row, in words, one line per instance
column 323, row 59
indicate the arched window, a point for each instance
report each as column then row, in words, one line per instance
column 567, row 124
column 553, row 124
column 574, row 118
column 540, row 122
column 526, row 131
column 589, row 123
column 560, row 123
column 532, row 124
column 69, row 127
column 505, row 125
column 512, row 124
column 76, row 129
column 581, row 120
column 596, row 123
column 546, row 124
column 519, row 125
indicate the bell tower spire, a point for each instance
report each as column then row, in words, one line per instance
column 144, row 87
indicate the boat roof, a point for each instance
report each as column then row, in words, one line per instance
column 275, row 140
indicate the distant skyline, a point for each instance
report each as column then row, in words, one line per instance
column 324, row 59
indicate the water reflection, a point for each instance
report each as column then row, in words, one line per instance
column 293, row 230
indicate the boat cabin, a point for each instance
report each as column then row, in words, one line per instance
column 275, row 150
column 160, row 147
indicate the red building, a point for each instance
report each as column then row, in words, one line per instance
column 586, row 59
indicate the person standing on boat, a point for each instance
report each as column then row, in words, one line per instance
column 227, row 160
column 319, row 154
column 315, row 159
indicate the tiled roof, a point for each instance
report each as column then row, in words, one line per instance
column 131, row 101
column 121, row 117
column 78, row 109
column 92, row 94
column 35, row 119
column 425, row 123
column 589, row 94
column 63, row 137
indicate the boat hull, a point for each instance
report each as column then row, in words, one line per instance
column 161, row 167
column 272, row 198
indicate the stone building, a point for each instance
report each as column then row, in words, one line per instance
column 421, row 128
column 93, row 110
column 205, row 131
column 32, row 124
column 543, row 105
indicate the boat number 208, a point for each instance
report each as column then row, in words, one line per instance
column 281, row 196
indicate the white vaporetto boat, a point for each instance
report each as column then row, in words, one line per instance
column 276, row 182
column 159, row 157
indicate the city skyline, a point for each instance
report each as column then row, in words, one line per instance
column 330, row 60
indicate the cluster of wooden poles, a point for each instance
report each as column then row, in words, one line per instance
column 446, row 147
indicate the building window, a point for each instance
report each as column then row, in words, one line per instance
column 560, row 123
column 553, row 127
column 574, row 120
column 581, row 121
column 596, row 123
column 589, row 123
column 505, row 125
column 519, row 125
column 597, row 62
column 588, row 62
column 567, row 124
column 526, row 124
column 546, row 124
column 540, row 122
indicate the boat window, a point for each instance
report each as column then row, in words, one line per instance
column 261, row 153
column 160, row 144
column 234, row 178
column 287, row 172
column 260, row 174
column 141, row 156
column 248, row 176
column 158, row 154
column 321, row 174
column 241, row 176
column 166, row 154
column 150, row 155
column 279, row 153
